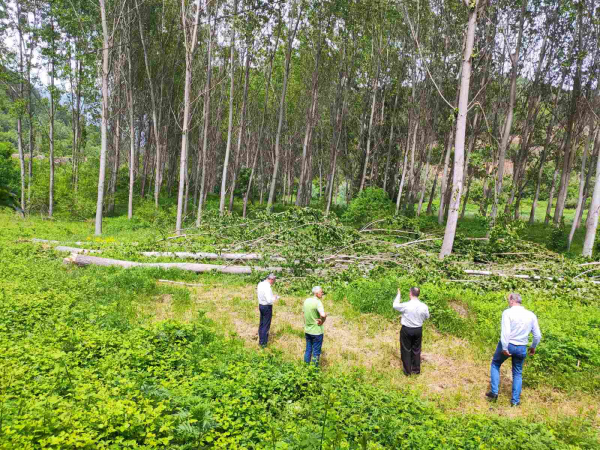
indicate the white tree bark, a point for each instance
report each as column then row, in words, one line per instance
column 131, row 133
column 104, row 123
column 592, row 222
column 191, row 42
column 205, row 129
column 461, row 125
column 230, row 126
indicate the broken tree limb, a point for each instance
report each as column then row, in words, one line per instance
column 85, row 260
column 523, row 277
column 594, row 263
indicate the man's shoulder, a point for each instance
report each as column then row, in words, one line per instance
column 310, row 301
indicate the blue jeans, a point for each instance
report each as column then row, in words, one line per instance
column 518, row 354
column 313, row 348
column 266, row 313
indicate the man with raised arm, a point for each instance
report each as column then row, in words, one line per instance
column 517, row 324
column 266, row 298
column 414, row 313
column 314, row 318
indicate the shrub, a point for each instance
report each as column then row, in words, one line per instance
column 371, row 204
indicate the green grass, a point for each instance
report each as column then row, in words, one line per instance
column 81, row 368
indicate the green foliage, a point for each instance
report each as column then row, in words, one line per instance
column 9, row 172
column 82, row 368
column 371, row 204
column 558, row 238
column 10, row 187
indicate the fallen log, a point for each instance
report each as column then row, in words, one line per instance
column 181, row 283
column 46, row 241
column 85, row 251
column 85, row 260
column 208, row 255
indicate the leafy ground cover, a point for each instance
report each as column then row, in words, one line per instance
column 87, row 361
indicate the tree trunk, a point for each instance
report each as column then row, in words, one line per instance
column 581, row 186
column 155, row 115
column 592, row 222
column 551, row 195
column 424, row 188
column 112, row 188
column 190, row 50
column 443, row 184
column 230, row 124
column 206, row 114
column 434, row 185
column 369, row 130
column 21, row 97
column 509, row 115
column 260, row 131
column 461, row 124
column 391, row 142
column 566, row 171
column 106, row 44
column 286, row 74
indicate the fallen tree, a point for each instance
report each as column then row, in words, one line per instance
column 208, row 255
column 85, row 260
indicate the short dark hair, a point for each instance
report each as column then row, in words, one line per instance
column 415, row 291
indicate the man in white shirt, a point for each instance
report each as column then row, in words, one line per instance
column 266, row 298
column 414, row 313
column 517, row 324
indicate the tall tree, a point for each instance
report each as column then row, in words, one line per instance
column 461, row 124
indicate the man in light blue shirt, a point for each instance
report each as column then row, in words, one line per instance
column 517, row 324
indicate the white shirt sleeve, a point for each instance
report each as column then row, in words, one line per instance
column 400, row 307
column 505, row 333
column 426, row 313
column 537, row 334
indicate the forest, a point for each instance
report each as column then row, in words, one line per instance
column 158, row 159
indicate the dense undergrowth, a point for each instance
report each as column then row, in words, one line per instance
column 81, row 368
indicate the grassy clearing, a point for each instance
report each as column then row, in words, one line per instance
column 455, row 373
column 84, row 349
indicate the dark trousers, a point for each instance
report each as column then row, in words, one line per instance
column 266, row 312
column 410, row 349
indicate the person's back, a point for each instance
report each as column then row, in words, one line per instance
column 517, row 324
column 521, row 322
column 312, row 307
column 314, row 317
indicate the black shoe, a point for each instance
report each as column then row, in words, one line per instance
column 512, row 405
column 491, row 395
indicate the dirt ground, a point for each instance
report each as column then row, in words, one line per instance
column 454, row 374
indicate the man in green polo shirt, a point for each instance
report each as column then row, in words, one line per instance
column 314, row 317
